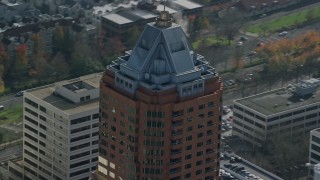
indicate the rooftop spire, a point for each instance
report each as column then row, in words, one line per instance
column 164, row 20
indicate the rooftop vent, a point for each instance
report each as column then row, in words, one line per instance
column 304, row 89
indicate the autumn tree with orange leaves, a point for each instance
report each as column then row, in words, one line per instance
column 289, row 56
column 4, row 61
column 22, row 54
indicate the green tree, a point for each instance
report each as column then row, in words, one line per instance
column 132, row 36
column 59, row 66
column 231, row 22
column 62, row 42
column 82, row 62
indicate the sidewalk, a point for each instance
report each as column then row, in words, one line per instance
column 9, row 144
column 13, row 127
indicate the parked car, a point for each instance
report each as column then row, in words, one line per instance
column 283, row 33
column 231, row 81
column 225, row 110
column 238, row 159
column 243, row 38
column 228, row 83
column 252, row 53
column 20, row 93
column 238, row 169
column 260, row 44
column 239, row 43
column 1, row 107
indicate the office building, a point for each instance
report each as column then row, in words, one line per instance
column 61, row 127
column 287, row 112
column 314, row 153
column 160, row 110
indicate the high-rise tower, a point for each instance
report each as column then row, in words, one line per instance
column 160, row 110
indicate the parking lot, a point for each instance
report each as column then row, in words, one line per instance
column 234, row 167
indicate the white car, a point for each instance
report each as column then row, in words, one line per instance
column 239, row 43
column 283, row 33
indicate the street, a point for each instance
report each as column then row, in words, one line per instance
column 10, row 100
column 11, row 152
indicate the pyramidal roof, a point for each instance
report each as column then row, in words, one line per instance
column 161, row 51
column 162, row 59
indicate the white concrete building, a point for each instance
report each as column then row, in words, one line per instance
column 61, row 127
column 287, row 112
column 314, row 154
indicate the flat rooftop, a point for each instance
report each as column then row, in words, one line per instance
column 46, row 93
column 170, row 10
column 279, row 100
column 185, row 4
column 316, row 130
column 118, row 19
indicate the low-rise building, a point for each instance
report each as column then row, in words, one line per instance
column 12, row 169
column 286, row 112
column 61, row 129
column 117, row 18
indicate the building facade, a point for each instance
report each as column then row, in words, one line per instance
column 314, row 151
column 286, row 112
column 160, row 110
column 61, row 127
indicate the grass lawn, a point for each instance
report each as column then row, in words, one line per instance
column 284, row 22
column 209, row 41
column 11, row 115
column 8, row 135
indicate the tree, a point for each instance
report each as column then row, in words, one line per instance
column 4, row 61
column 199, row 23
column 231, row 22
column 39, row 61
column 264, row 29
column 59, row 66
column 280, row 65
column 237, row 57
column 293, row 55
column 62, row 42
column 132, row 36
column 82, row 62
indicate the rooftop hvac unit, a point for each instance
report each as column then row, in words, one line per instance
column 304, row 89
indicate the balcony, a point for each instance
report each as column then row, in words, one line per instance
column 176, row 133
column 176, row 142
column 177, row 113
column 175, row 170
column 209, row 160
column 209, row 151
column 175, row 151
column 208, row 170
column 209, row 142
column 174, row 161
column 176, row 123
column 210, row 124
